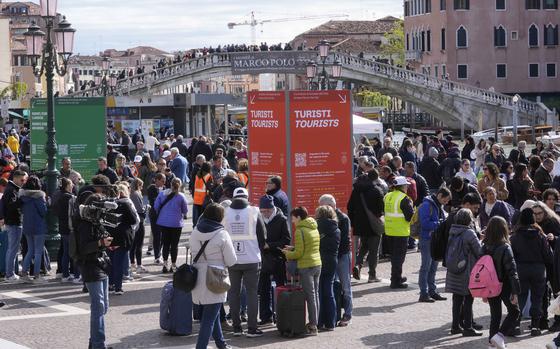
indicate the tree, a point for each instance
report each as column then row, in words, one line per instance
column 15, row 91
column 374, row 99
column 394, row 47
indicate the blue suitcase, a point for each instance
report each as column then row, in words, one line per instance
column 176, row 309
column 3, row 251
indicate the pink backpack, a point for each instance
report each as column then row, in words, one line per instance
column 484, row 282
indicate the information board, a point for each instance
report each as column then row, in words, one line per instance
column 80, row 125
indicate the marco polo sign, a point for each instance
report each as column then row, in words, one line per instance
column 275, row 62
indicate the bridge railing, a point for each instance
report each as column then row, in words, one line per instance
column 424, row 80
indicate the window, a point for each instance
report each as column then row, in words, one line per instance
column 533, row 36
column 443, row 71
column 514, row 35
column 436, row 71
column 462, row 71
column 550, row 35
column 407, row 42
column 500, row 4
column 550, row 4
column 90, row 72
column 442, row 5
column 533, row 70
column 461, row 4
column 501, row 71
column 423, row 47
column 499, row 37
column 443, row 38
column 551, row 70
column 406, row 8
column 429, row 40
column 462, row 37
column 533, row 4
column 428, row 6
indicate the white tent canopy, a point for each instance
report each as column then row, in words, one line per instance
column 363, row 126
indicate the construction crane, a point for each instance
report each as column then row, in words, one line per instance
column 254, row 22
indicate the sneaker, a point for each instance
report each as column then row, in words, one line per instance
column 119, row 293
column 498, row 341
column 311, row 330
column 164, row 270
column 226, row 326
column 425, row 299
column 457, row 330
column 141, row 269
column 225, row 346
column 265, row 322
column 345, row 321
column 172, row 268
column 471, row 332
column 157, row 261
column 67, row 279
column 77, row 280
column 84, row 289
column 356, row 272
column 399, row 286
column 254, row 333
column 13, row 278
column 535, row 332
column 39, row 280
column 478, row 327
column 127, row 278
column 551, row 345
column 238, row 331
column 373, row 279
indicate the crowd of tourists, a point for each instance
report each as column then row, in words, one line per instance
column 453, row 204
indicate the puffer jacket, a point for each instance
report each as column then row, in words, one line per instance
column 307, row 244
column 34, row 211
column 505, row 265
column 459, row 283
column 219, row 252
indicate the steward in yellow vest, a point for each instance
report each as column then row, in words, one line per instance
column 398, row 213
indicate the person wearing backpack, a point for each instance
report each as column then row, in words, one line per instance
column 496, row 244
column 532, row 253
column 463, row 250
column 62, row 211
column 431, row 215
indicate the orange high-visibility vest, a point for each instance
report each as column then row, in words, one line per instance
column 243, row 178
column 200, row 189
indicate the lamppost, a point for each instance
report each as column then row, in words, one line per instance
column 106, row 82
column 49, row 52
column 323, row 82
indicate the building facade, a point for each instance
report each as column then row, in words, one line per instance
column 511, row 46
column 5, row 54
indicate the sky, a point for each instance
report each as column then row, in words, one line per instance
column 173, row 25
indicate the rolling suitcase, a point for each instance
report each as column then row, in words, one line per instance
column 290, row 310
column 176, row 310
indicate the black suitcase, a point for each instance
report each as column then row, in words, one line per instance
column 290, row 311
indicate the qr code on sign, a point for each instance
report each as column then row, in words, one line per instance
column 301, row 159
column 254, row 158
column 63, row 149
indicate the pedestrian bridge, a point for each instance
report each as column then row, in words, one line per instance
column 457, row 105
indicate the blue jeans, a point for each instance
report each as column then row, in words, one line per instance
column 327, row 304
column 118, row 259
column 343, row 273
column 65, row 257
column 99, row 304
column 14, row 239
column 428, row 268
column 210, row 325
column 35, row 245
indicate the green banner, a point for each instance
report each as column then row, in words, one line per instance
column 81, row 127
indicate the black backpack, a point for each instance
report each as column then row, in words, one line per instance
column 438, row 243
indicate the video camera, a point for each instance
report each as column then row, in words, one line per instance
column 101, row 213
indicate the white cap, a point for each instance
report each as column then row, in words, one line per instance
column 400, row 181
column 166, row 154
column 137, row 158
column 240, row 192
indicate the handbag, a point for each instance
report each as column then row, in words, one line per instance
column 217, row 278
column 375, row 223
column 185, row 276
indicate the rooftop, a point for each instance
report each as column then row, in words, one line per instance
column 33, row 8
column 381, row 25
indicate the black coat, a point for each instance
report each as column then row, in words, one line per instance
column 182, row 148
column 90, row 253
column 530, row 246
column 330, row 239
column 457, row 196
column 344, row 226
column 277, row 234
column 422, row 189
column 466, row 152
column 430, row 169
column 61, row 211
column 542, row 179
column 109, row 173
column 123, row 235
column 516, row 157
column 204, row 149
column 505, row 265
column 11, row 205
column 373, row 196
column 518, row 192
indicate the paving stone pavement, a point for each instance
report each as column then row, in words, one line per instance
column 55, row 315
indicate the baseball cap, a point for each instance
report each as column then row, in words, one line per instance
column 166, row 154
column 240, row 192
column 137, row 158
column 400, row 180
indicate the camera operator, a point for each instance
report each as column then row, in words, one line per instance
column 92, row 242
column 123, row 237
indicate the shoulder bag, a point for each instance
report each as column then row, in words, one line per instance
column 167, row 199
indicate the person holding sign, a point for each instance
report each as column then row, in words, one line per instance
column 246, row 227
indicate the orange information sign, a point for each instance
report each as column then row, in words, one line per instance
column 266, row 125
column 320, row 147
